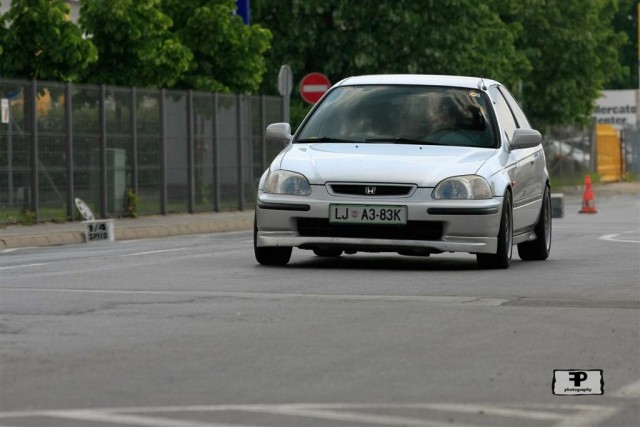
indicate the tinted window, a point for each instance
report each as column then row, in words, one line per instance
column 505, row 117
column 403, row 114
column 515, row 108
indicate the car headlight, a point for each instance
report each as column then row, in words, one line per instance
column 287, row 182
column 463, row 188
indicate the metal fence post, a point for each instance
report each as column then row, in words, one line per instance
column 263, row 133
column 134, row 140
column 190, row 159
column 593, row 136
column 33, row 112
column 216, row 155
column 68, row 120
column 163, row 153
column 240, row 134
column 103, row 151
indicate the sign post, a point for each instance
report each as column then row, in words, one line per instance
column 285, row 85
column 5, row 111
column 313, row 86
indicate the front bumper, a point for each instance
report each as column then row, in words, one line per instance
column 438, row 225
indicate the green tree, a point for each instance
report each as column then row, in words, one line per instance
column 228, row 56
column 38, row 41
column 626, row 21
column 342, row 38
column 135, row 44
column 556, row 55
column 573, row 49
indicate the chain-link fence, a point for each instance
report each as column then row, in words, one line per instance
column 572, row 152
column 125, row 149
column 631, row 150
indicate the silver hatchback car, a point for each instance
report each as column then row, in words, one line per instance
column 413, row 164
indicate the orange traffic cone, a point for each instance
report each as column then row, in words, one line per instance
column 588, row 201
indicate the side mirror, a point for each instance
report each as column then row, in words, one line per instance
column 525, row 138
column 280, row 132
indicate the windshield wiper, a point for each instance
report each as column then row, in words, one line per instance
column 324, row 139
column 401, row 140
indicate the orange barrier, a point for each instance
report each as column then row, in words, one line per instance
column 588, row 201
column 609, row 153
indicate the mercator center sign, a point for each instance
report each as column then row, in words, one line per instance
column 618, row 108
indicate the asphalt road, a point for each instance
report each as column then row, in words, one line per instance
column 191, row 332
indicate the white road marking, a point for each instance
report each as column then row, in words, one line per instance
column 134, row 420
column 559, row 415
column 616, row 238
column 630, row 391
column 587, row 415
column 258, row 295
column 10, row 250
column 22, row 266
column 494, row 410
column 357, row 417
column 156, row 252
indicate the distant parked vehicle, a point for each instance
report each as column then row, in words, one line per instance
column 568, row 153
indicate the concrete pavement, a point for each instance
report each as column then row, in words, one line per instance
column 51, row 234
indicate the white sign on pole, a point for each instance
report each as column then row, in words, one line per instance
column 285, row 85
column 617, row 108
column 5, row 110
column 285, row 80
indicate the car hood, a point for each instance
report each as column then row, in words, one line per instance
column 424, row 165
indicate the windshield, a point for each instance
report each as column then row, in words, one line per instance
column 402, row 114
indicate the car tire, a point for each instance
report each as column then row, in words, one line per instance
column 501, row 259
column 538, row 250
column 329, row 253
column 270, row 255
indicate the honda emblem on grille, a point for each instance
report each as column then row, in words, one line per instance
column 369, row 191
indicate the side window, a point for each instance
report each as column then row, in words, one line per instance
column 505, row 117
column 515, row 108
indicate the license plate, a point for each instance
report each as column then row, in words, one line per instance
column 368, row 214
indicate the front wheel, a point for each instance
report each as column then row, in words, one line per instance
column 539, row 249
column 501, row 259
column 270, row 255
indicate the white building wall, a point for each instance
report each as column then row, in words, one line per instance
column 5, row 5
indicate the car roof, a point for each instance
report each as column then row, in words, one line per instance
column 418, row 79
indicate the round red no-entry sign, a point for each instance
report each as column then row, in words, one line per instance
column 313, row 86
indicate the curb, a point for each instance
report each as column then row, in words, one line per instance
column 71, row 237
column 50, row 239
column 233, row 223
column 181, row 230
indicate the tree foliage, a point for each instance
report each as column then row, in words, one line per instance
column 626, row 21
column 135, row 44
column 557, row 55
column 228, row 56
column 573, row 50
column 560, row 53
column 38, row 41
column 402, row 36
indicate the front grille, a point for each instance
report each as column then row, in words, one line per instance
column 414, row 230
column 371, row 190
